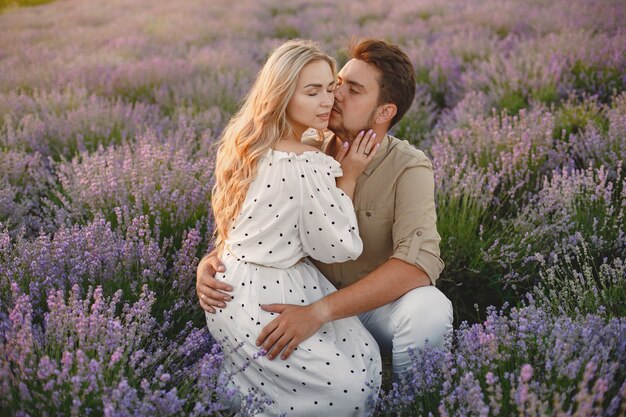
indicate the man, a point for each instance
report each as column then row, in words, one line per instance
column 391, row 285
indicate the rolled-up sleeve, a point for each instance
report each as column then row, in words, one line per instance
column 415, row 236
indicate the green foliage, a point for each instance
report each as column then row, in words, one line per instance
column 603, row 82
column 286, row 32
column 574, row 115
column 583, row 205
column 576, row 286
column 425, row 14
column 142, row 93
column 467, row 229
column 512, row 102
column 4, row 4
column 547, row 94
column 282, row 10
column 601, row 216
column 436, row 83
column 502, row 31
column 417, row 124
column 68, row 148
column 368, row 17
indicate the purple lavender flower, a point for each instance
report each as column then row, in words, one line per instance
column 488, row 369
column 106, row 160
column 88, row 349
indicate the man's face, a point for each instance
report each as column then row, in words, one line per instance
column 356, row 99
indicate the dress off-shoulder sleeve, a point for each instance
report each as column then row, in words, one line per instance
column 328, row 227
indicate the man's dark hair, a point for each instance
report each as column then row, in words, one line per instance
column 397, row 80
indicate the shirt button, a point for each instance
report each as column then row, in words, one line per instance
column 339, row 284
column 419, row 233
column 368, row 214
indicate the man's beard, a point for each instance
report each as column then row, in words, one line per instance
column 344, row 133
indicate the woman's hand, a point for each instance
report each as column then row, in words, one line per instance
column 211, row 292
column 355, row 158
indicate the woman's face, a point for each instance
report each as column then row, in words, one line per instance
column 313, row 98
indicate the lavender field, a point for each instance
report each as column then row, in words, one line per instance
column 108, row 115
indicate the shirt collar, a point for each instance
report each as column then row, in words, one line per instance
column 378, row 158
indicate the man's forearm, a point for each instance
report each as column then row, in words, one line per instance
column 385, row 284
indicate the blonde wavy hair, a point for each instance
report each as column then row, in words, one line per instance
column 258, row 126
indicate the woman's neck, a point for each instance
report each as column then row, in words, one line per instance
column 293, row 138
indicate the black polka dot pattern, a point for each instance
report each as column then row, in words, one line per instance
column 299, row 190
column 280, row 224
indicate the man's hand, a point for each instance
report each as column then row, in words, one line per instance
column 209, row 289
column 294, row 325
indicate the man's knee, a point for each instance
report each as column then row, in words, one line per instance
column 423, row 314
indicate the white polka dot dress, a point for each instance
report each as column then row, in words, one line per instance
column 293, row 210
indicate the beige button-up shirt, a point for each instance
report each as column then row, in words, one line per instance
column 395, row 207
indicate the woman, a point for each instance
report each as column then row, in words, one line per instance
column 277, row 201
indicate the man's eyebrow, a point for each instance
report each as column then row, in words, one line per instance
column 355, row 84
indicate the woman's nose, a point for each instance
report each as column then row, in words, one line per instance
column 329, row 100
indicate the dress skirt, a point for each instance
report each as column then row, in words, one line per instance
column 334, row 372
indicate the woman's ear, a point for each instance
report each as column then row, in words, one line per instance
column 386, row 112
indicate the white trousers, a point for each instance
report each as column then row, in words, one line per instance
column 423, row 314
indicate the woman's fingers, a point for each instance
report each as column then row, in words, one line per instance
column 363, row 143
column 343, row 151
column 206, row 307
column 371, row 153
column 368, row 143
column 210, row 298
column 356, row 143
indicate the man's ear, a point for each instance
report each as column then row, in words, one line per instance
column 386, row 113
